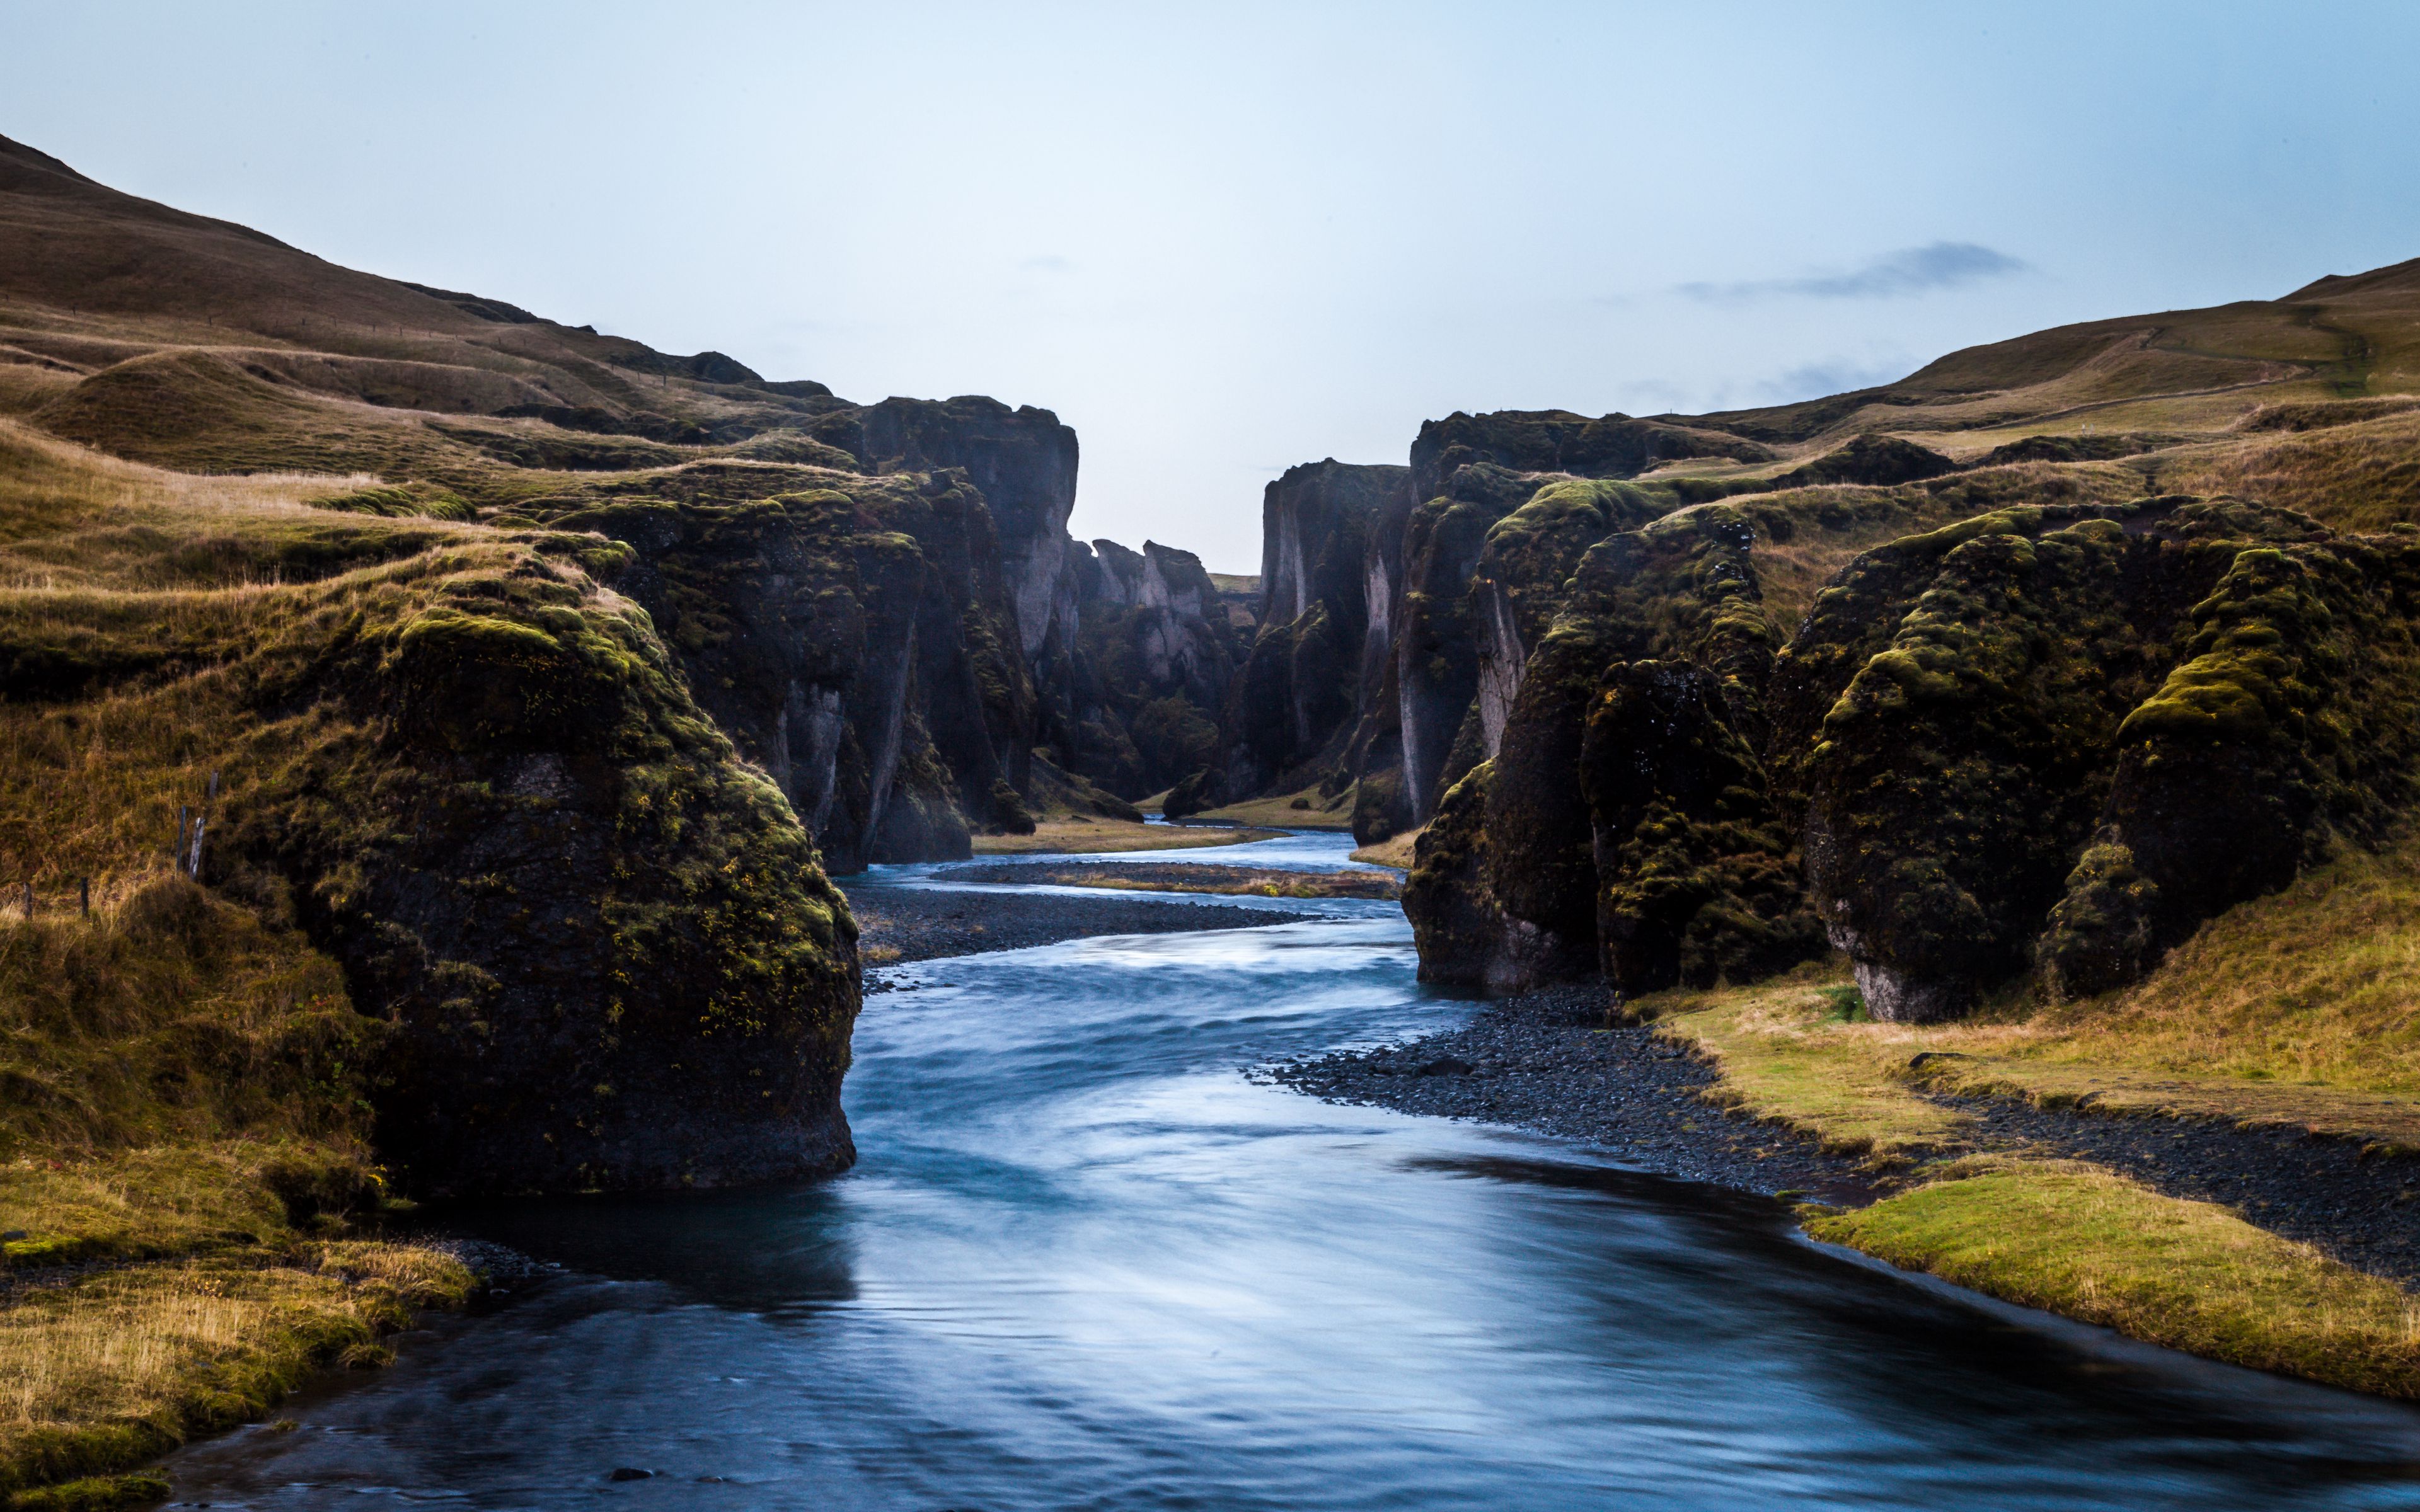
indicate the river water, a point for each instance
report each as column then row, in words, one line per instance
column 1085, row 1262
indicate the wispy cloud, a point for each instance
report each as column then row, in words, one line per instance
column 1892, row 275
column 1841, row 375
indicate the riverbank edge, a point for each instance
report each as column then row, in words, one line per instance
column 327, row 1304
column 2015, row 1219
column 897, row 926
column 322, row 1305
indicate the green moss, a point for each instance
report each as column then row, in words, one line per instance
column 1698, row 870
column 95, row 1493
column 1962, row 768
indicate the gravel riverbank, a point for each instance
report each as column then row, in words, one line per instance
column 1549, row 1063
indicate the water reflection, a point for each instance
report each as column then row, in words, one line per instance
column 1084, row 1263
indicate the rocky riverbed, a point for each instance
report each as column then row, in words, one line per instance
column 1553, row 1062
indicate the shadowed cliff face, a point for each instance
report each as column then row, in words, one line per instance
column 1330, row 547
column 2037, row 739
column 853, row 639
column 1156, row 651
column 1021, row 461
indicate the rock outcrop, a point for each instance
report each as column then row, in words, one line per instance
column 853, row 636
column 2048, row 739
column 598, row 944
column 1330, row 547
column 1156, row 651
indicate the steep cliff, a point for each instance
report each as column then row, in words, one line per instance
column 853, row 638
column 1680, row 711
column 1155, row 653
column 546, row 734
column 1330, row 543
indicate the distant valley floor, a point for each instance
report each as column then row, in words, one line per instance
column 897, row 924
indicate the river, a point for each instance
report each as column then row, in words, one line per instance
column 1085, row 1262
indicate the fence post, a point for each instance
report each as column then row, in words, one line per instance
column 83, row 896
column 214, row 787
column 195, row 869
column 29, row 902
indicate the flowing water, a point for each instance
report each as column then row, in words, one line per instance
column 1084, row 1262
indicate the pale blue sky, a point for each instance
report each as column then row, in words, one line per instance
column 1219, row 240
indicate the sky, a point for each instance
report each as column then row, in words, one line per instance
column 1219, row 240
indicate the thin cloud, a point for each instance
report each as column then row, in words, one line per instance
column 1839, row 375
column 1892, row 275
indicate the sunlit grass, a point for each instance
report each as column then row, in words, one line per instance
column 2090, row 1244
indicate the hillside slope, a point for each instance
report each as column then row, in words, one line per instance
column 158, row 336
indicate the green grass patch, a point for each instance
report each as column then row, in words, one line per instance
column 2087, row 1243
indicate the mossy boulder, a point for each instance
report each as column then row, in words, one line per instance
column 1465, row 937
column 2290, row 717
column 603, row 948
column 1698, row 866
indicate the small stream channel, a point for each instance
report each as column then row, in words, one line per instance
column 1084, row 1262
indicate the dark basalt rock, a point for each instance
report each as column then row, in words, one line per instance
column 1155, row 655
column 604, row 954
column 854, row 641
column 1557, row 441
column 1330, row 535
column 2058, row 736
column 1698, row 869
column 1678, row 589
column 1464, row 936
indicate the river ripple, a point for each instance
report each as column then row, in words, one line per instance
column 1085, row 1263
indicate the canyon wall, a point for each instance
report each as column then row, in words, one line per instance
column 2017, row 717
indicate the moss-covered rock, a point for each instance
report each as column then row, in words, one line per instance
column 2288, row 715
column 604, row 950
column 1464, row 935
column 854, row 637
column 1697, row 866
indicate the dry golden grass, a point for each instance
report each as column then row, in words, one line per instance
column 2299, row 1009
column 2360, row 477
column 1306, row 809
column 179, row 1092
column 1787, row 1055
column 1396, row 853
column 2087, row 1244
column 102, row 1372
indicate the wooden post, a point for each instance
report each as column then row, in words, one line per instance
column 214, row 787
column 83, row 896
column 195, row 869
column 29, row 902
